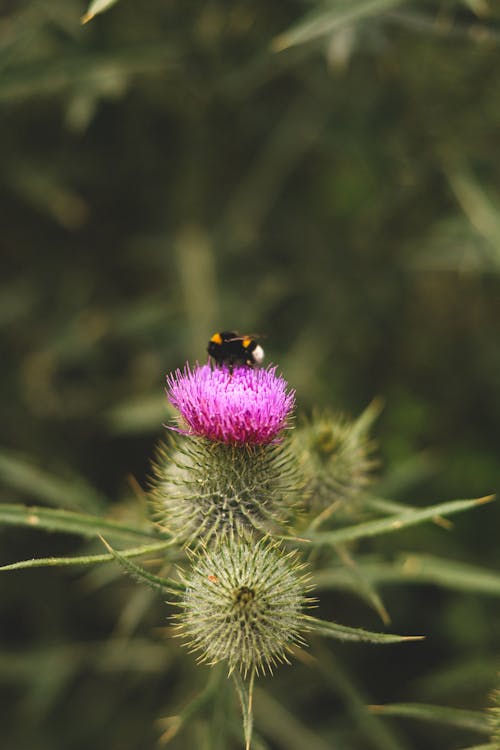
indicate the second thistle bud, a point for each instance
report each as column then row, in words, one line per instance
column 335, row 455
column 243, row 604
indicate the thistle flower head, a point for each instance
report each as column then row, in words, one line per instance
column 243, row 604
column 242, row 406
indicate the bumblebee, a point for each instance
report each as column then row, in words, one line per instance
column 229, row 348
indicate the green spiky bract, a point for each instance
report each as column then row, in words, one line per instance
column 204, row 489
column 335, row 455
column 244, row 604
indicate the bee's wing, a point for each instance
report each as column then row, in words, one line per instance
column 253, row 336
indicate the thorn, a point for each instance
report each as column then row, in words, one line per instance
column 413, row 637
column 108, row 546
column 173, row 724
column 279, row 43
column 136, row 488
column 485, row 499
column 383, row 614
column 295, row 539
column 445, row 523
column 86, row 18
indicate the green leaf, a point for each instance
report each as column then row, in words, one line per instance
column 78, row 70
column 412, row 568
column 136, row 416
column 162, row 585
column 345, row 633
column 361, row 583
column 172, row 725
column 286, row 728
column 135, row 654
column 387, row 507
column 480, row 209
column 379, row 734
column 96, row 7
column 42, row 562
column 368, row 416
column 457, row 717
column 68, row 522
column 245, row 695
column 329, row 18
column 406, row 474
column 395, row 522
column 26, row 477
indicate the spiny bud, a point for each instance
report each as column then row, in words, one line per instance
column 335, row 455
column 243, row 604
column 204, row 489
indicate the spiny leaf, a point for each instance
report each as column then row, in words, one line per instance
column 362, row 584
column 458, row 717
column 136, row 416
column 476, row 204
column 389, row 507
column 345, row 633
column 287, row 728
column 134, row 654
column 364, row 422
column 42, row 562
column 379, row 734
column 173, row 724
column 96, row 7
column 412, row 568
column 53, row 75
column 245, row 694
column 69, row 522
column 329, row 18
column 162, row 585
column 395, row 522
column 26, row 477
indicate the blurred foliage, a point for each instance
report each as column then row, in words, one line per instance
column 325, row 174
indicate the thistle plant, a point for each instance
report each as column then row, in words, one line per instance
column 239, row 500
column 225, row 484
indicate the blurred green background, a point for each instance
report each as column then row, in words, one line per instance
column 326, row 175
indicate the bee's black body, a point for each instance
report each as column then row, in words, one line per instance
column 229, row 348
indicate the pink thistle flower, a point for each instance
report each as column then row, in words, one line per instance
column 244, row 406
